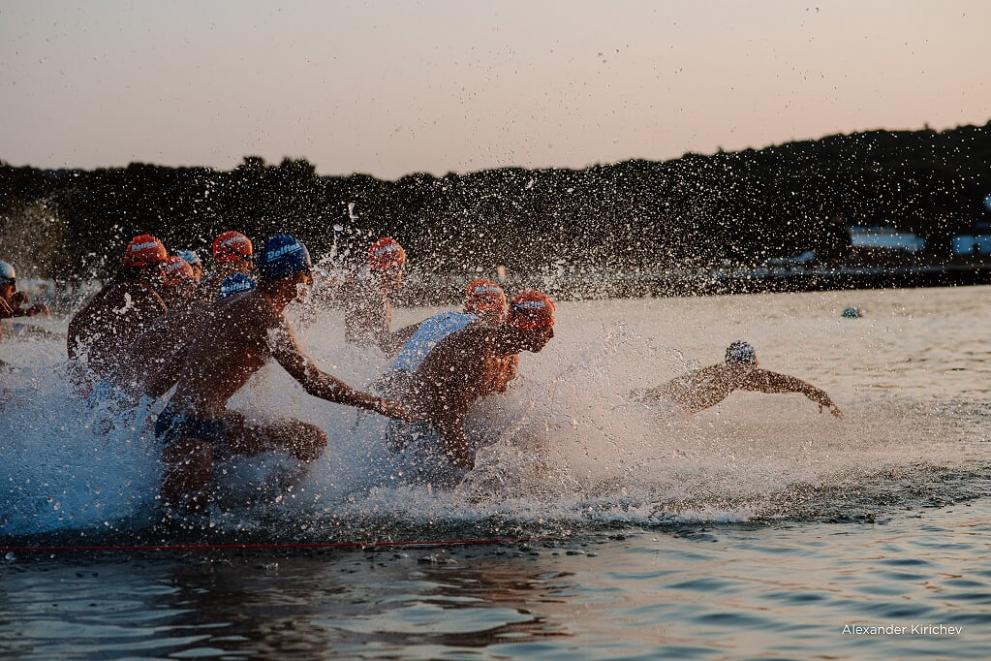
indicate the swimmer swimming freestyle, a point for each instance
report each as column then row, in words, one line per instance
column 706, row 387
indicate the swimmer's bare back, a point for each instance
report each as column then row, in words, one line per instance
column 449, row 381
column 231, row 342
column 704, row 388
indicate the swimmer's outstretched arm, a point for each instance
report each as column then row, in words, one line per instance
column 772, row 382
column 287, row 352
column 21, row 306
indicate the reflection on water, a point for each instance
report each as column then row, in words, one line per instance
column 785, row 590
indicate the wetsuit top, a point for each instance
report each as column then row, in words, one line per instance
column 427, row 336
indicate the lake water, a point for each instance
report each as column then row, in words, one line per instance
column 757, row 529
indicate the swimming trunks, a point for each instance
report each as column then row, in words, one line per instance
column 173, row 425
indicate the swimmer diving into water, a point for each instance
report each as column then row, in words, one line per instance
column 706, row 387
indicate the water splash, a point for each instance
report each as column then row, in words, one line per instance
column 564, row 449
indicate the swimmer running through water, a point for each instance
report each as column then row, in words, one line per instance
column 225, row 347
column 232, row 253
column 457, row 371
column 366, row 296
column 706, row 387
column 104, row 329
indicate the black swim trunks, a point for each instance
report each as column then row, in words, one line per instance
column 173, row 425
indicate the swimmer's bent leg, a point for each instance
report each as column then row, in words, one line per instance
column 303, row 441
column 188, row 472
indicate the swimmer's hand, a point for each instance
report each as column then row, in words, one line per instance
column 394, row 410
column 833, row 408
column 38, row 308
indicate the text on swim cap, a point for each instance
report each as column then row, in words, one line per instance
column 273, row 255
column 237, row 287
column 137, row 247
column 529, row 305
column 386, row 249
column 235, row 239
column 486, row 289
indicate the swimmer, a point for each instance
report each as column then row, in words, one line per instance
column 237, row 284
column 165, row 336
column 704, row 388
column 485, row 302
column 232, row 253
column 14, row 303
column 103, row 330
column 456, row 372
column 223, row 350
column 178, row 282
column 194, row 261
column 367, row 296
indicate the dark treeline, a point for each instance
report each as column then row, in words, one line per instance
column 693, row 211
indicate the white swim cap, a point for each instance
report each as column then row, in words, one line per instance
column 7, row 273
column 741, row 353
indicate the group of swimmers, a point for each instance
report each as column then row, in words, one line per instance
column 159, row 324
column 162, row 324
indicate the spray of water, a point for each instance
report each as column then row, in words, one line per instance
column 566, row 448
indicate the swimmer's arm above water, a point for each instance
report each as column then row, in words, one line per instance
column 287, row 352
column 772, row 382
column 18, row 309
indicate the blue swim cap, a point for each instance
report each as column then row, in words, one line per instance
column 236, row 284
column 283, row 257
column 7, row 273
column 190, row 257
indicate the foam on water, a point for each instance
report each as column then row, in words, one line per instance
column 565, row 448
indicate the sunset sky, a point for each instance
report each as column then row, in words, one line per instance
column 390, row 88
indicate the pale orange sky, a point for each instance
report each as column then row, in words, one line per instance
column 390, row 88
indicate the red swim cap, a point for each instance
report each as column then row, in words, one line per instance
column 144, row 250
column 231, row 246
column 531, row 310
column 386, row 253
column 484, row 295
column 177, row 271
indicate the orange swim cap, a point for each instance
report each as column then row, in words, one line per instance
column 144, row 250
column 531, row 310
column 177, row 271
column 484, row 295
column 231, row 246
column 386, row 253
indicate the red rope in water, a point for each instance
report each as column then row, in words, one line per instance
column 260, row 546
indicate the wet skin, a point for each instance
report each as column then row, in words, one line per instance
column 226, row 346
column 368, row 309
column 459, row 370
column 108, row 324
column 704, row 388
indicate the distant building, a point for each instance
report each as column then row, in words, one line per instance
column 972, row 244
column 884, row 238
column 805, row 259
